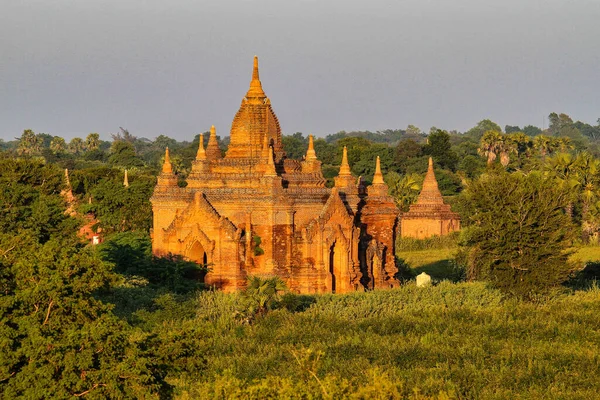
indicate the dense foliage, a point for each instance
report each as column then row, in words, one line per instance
column 56, row 339
column 519, row 232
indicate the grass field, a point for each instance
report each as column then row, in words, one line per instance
column 448, row 341
column 444, row 341
column 438, row 262
column 587, row 254
column 435, row 262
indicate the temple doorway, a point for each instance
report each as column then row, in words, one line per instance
column 199, row 256
column 337, row 265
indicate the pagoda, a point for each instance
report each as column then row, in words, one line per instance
column 429, row 216
column 253, row 211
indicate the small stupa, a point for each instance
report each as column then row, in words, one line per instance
column 429, row 216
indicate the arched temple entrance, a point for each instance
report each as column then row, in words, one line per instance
column 199, row 256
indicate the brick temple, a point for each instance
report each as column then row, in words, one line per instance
column 254, row 211
column 429, row 216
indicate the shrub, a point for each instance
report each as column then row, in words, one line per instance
column 519, row 233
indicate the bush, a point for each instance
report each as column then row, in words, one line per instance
column 519, row 235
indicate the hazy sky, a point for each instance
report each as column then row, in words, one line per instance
column 70, row 67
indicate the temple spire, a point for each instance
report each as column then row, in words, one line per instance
column 167, row 177
column 345, row 167
column 201, row 155
column 378, row 177
column 125, row 180
column 67, row 180
column 430, row 193
column 256, row 90
column 311, row 155
column 213, row 151
column 167, row 168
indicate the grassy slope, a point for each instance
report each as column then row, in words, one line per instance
column 588, row 253
column 452, row 340
column 447, row 341
column 435, row 262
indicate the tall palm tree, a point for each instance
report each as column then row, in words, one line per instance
column 92, row 142
column 76, row 145
column 404, row 190
column 564, row 169
column 523, row 142
column 490, row 145
column 544, row 144
column 587, row 170
column 507, row 147
column 29, row 143
column 58, row 145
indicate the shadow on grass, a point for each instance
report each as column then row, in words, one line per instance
column 441, row 270
column 149, row 283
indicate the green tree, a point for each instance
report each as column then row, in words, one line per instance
column 295, row 145
column 120, row 208
column 365, row 166
column 491, row 145
column 76, row 145
column 438, row 146
column 519, row 235
column 483, row 126
column 404, row 189
column 58, row 340
column 92, row 142
column 122, row 153
column 29, row 144
column 563, row 168
column 58, row 145
column 326, row 152
column 404, row 153
column 561, row 125
column 531, row 130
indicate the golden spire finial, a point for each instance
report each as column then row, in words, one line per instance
column 311, row 155
column 201, row 155
column 255, row 69
column 345, row 167
column 378, row 177
column 256, row 90
column 167, row 168
column 126, row 180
